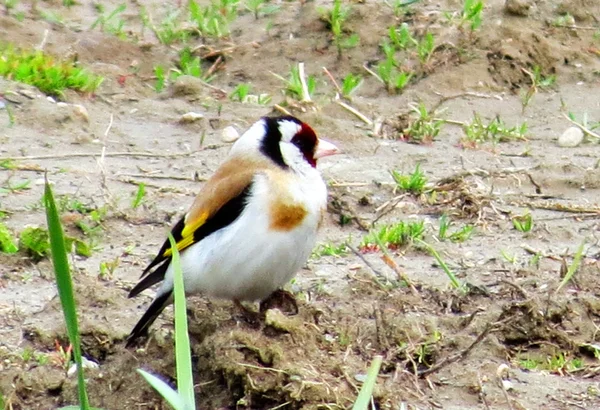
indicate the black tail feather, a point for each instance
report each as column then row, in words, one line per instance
column 150, row 279
column 156, row 307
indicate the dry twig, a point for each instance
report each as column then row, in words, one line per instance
column 445, row 98
column 302, row 75
column 335, row 84
column 399, row 272
column 282, row 110
column 365, row 261
column 354, row 111
column 96, row 154
column 173, row 177
column 492, row 327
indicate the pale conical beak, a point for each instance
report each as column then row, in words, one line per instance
column 325, row 148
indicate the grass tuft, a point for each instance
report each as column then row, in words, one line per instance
column 393, row 236
column 35, row 241
column 413, row 183
column 7, row 243
column 41, row 70
column 523, row 223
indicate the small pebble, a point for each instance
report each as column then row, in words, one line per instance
column 572, row 137
column 85, row 363
column 191, row 117
column 229, row 134
column 81, row 111
column 507, row 385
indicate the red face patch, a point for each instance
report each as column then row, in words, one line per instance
column 306, row 141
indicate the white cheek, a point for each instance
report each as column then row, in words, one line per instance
column 288, row 129
column 291, row 154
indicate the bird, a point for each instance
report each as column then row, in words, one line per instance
column 253, row 224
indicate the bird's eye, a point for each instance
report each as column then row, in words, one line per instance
column 300, row 143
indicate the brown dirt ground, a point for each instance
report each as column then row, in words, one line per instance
column 349, row 311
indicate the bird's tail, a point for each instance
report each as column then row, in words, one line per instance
column 156, row 307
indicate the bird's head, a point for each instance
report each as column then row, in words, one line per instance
column 287, row 141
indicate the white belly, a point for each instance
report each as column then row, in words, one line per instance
column 247, row 260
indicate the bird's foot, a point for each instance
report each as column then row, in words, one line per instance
column 281, row 299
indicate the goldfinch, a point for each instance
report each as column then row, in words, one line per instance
column 253, row 224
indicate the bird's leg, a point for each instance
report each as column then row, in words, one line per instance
column 281, row 299
column 253, row 318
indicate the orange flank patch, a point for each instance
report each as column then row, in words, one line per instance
column 285, row 217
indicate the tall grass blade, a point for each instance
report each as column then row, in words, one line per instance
column 166, row 391
column 573, row 267
column 185, row 381
column 453, row 279
column 183, row 398
column 364, row 396
column 65, row 287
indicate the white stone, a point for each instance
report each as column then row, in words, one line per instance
column 229, row 134
column 81, row 111
column 572, row 137
column 85, row 363
column 191, row 117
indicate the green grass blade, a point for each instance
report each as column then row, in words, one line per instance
column 139, row 196
column 7, row 244
column 170, row 395
column 65, row 287
column 574, row 266
column 185, row 381
column 453, row 279
column 364, row 396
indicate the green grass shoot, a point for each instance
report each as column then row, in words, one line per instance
column 65, row 289
column 453, row 279
column 350, row 83
column 331, row 249
column 394, row 236
column 363, row 400
column 7, row 243
column 573, row 267
column 414, row 182
column 241, row 92
column 424, row 128
column 159, row 73
column 183, row 398
column 139, row 196
column 35, row 241
column 471, row 13
column 495, row 131
column 44, row 72
column 523, row 223
column 294, row 86
column 336, row 18
column 459, row 235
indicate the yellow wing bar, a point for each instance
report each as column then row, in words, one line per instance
column 187, row 234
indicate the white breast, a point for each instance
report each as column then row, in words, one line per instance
column 247, row 260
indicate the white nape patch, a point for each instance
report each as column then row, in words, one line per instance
column 288, row 129
column 250, row 140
